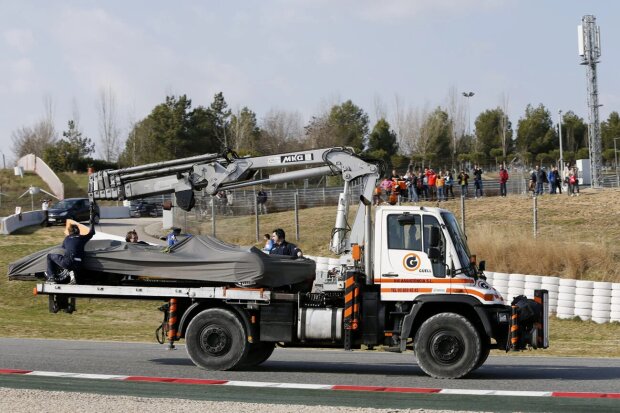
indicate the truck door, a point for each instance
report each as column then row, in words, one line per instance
column 405, row 269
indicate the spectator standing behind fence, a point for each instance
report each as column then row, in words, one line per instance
column 422, row 189
column 541, row 178
column 413, row 186
column 441, row 186
column 552, row 182
column 503, row 178
column 432, row 184
column 386, row 186
column 558, row 179
column 261, row 201
column 464, row 182
column 478, row 182
column 576, row 175
column 376, row 195
column 449, row 184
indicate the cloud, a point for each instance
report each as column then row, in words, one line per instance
column 19, row 40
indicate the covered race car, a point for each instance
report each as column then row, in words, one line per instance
column 195, row 260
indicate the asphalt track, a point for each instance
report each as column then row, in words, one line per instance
column 334, row 367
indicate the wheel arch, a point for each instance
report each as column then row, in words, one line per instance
column 199, row 306
column 430, row 305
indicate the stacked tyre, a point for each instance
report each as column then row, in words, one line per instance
column 584, row 290
column 516, row 283
column 500, row 283
column 614, row 313
column 566, row 298
column 551, row 284
column 601, row 302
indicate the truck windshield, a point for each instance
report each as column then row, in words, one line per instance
column 460, row 245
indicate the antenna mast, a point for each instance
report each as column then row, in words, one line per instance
column 589, row 41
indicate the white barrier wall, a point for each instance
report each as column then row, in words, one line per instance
column 588, row 300
column 114, row 212
column 12, row 223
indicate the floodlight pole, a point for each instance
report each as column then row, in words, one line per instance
column 561, row 153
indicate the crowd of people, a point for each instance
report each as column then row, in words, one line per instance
column 554, row 180
column 425, row 184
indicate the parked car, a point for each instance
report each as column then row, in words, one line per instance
column 143, row 208
column 77, row 209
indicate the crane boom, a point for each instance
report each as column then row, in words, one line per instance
column 217, row 172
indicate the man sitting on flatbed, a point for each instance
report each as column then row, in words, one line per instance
column 282, row 247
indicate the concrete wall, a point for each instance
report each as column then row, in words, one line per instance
column 114, row 212
column 35, row 164
column 12, row 223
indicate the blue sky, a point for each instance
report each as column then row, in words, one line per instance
column 296, row 55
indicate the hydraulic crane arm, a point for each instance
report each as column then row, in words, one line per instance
column 216, row 172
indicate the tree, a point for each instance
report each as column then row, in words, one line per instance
column 348, row 124
column 244, row 131
column 70, row 152
column 610, row 129
column 220, row 115
column 382, row 142
column 437, row 133
column 535, row 132
column 281, row 131
column 109, row 132
column 574, row 132
column 491, row 128
column 39, row 137
column 457, row 113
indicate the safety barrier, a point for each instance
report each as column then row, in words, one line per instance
column 14, row 222
column 589, row 300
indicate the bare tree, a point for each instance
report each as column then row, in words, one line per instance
column 282, row 131
column 503, row 122
column 457, row 111
column 35, row 139
column 381, row 111
column 109, row 131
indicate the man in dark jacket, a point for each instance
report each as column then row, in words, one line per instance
column 282, row 247
column 71, row 260
column 541, row 178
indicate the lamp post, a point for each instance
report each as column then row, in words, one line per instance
column 616, row 160
column 468, row 95
column 561, row 153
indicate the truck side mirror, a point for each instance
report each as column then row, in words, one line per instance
column 434, row 254
column 435, row 238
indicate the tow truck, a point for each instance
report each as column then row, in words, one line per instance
column 405, row 278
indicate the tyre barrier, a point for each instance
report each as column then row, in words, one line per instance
column 598, row 301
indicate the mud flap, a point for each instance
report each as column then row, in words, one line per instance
column 60, row 302
column 529, row 322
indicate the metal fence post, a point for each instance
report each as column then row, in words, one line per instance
column 535, row 198
column 463, row 213
column 256, row 215
column 296, row 215
column 213, row 216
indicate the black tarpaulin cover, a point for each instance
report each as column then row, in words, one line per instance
column 197, row 258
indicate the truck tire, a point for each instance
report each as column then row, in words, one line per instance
column 257, row 354
column 484, row 353
column 447, row 346
column 216, row 340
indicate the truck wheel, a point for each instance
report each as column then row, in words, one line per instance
column 484, row 353
column 96, row 219
column 216, row 340
column 447, row 346
column 258, row 353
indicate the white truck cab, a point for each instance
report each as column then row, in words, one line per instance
column 407, row 264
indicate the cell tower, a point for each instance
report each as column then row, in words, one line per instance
column 589, row 40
